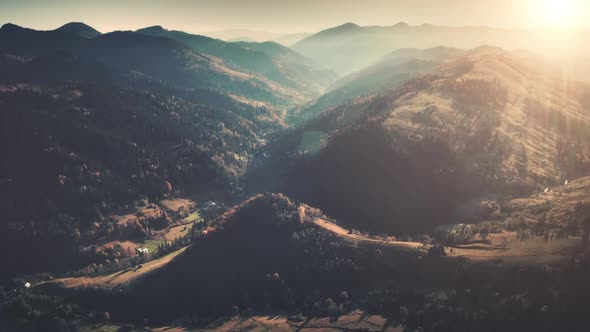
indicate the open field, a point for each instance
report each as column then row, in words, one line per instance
column 99, row 328
column 358, row 240
column 166, row 235
column 504, row 246
column 152, row 245
column 354, row 321
column 120, row 277
column 563, row 197
column 177, row 231
column 195, row 216
column 507, row 248
column 175, row 205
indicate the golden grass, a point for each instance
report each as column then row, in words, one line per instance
column 516, row 125
column 509, row 249
column 504, row 246
column 193, row 217
column 120, row 277
column 354, row 321
column 358, row 240
column 176, row 204
column 178, row 231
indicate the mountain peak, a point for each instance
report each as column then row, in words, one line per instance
column 401, row 25
column 10, row 26
column 80, row 29
column 341, row 30
column 152, row 29
column 348, row 25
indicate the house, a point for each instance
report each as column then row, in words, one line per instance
column 143, row 251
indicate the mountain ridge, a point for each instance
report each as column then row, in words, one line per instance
column 348, row 52
column 274, row 61
column 80, row 28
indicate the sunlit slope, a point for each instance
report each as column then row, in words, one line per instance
column 387, row 73
column 510, row 104
column 489, row 123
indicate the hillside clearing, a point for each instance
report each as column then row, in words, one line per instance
column 505, row 247
column 175, row 205
column 354, row 321
column 120, row 277
column 356, row 240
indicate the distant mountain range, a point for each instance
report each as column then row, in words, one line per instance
column 350, row 47
column 274, row 61
column 286, row 39
column 271, row 75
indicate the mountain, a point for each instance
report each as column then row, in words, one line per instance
column 271, row 253
column 345, row 48
column 487, row 123
column 156, row 58
column 271, row 60
column 286, row 39
column 28, row 42
column 349, row 47
column 120, row 119
column 80, row 29
column 269, row 243
column 391, row 70
column 342, row 31
column 104, row 149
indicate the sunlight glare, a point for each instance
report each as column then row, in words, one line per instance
column 559, row 13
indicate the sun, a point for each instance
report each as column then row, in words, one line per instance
column 559, row 13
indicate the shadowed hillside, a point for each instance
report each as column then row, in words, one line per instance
column 156, row 58
column 126, row 118
column 268, row 253
column 81, row 151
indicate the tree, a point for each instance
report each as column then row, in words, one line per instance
column 403, row 313
column 344, row 296
column 436, row 251
column 582, row 216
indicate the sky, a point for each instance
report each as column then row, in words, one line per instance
column 289, row 16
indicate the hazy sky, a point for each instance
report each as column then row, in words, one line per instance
column 290, row 15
